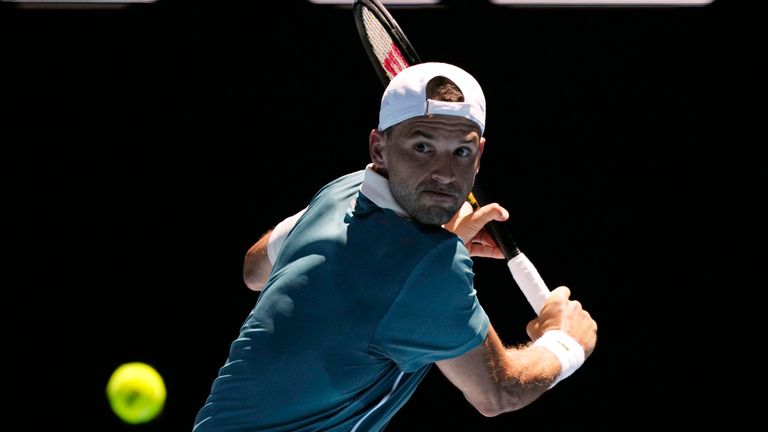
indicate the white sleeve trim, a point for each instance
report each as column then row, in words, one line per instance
column 278, row 235
column 381, row 402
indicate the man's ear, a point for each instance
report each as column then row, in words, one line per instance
column 376, row 148
column 481, row 147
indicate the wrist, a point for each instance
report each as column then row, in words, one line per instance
column 568, row 351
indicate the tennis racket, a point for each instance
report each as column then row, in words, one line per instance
column 391, row 52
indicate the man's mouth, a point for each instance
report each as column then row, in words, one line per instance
column 439, row 196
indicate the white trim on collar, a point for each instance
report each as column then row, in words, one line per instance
column 376, row 187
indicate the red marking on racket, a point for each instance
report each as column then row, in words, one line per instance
column 391, row 63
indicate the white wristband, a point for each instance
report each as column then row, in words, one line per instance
column 569, row 352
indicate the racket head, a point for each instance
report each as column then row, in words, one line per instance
column 387, row 47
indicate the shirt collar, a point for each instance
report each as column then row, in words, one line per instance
column 376, row 188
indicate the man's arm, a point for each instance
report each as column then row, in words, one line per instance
column 495, row 379
column 262, row 255
column 257, row 266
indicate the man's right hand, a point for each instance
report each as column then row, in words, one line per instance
column 561, row 313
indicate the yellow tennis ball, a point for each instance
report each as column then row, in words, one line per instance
column 136, row 392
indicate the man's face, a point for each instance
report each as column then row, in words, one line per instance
column 431, row 163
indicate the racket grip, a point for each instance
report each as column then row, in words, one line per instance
column 529, row 281
column 498, row 232
column 503, row 239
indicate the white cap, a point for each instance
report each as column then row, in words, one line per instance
column 406, row 95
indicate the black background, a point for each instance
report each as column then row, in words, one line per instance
column 145, row 149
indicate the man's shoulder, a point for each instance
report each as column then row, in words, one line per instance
column 338, row 191
column 351, row 180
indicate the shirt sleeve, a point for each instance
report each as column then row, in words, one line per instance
column 437, row 315
column 278, row 235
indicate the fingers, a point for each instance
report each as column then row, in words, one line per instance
column 489, row 212
column 468, row 224
column 471, row 225
column 532, row 329
column 482, row 244
column 484, row 251
column 560, row 312
column 559, row 302
column 484, row 239
column 465, row 209
column 553, row 314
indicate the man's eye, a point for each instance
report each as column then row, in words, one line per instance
column 462, row 152
column 421, row 148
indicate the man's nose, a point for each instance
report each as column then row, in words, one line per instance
column 442, row 171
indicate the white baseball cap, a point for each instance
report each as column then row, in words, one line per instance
column 406, row 95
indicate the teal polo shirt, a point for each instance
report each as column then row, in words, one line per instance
column 361, row 301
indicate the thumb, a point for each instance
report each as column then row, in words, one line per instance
column 561, row 291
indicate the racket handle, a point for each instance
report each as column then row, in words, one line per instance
column 522, row 269
column 529, row 281
column 498, row 232
column 503, row 239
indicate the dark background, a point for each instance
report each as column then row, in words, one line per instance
column 145, row 149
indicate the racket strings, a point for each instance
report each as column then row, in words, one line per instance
column 384, row 47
